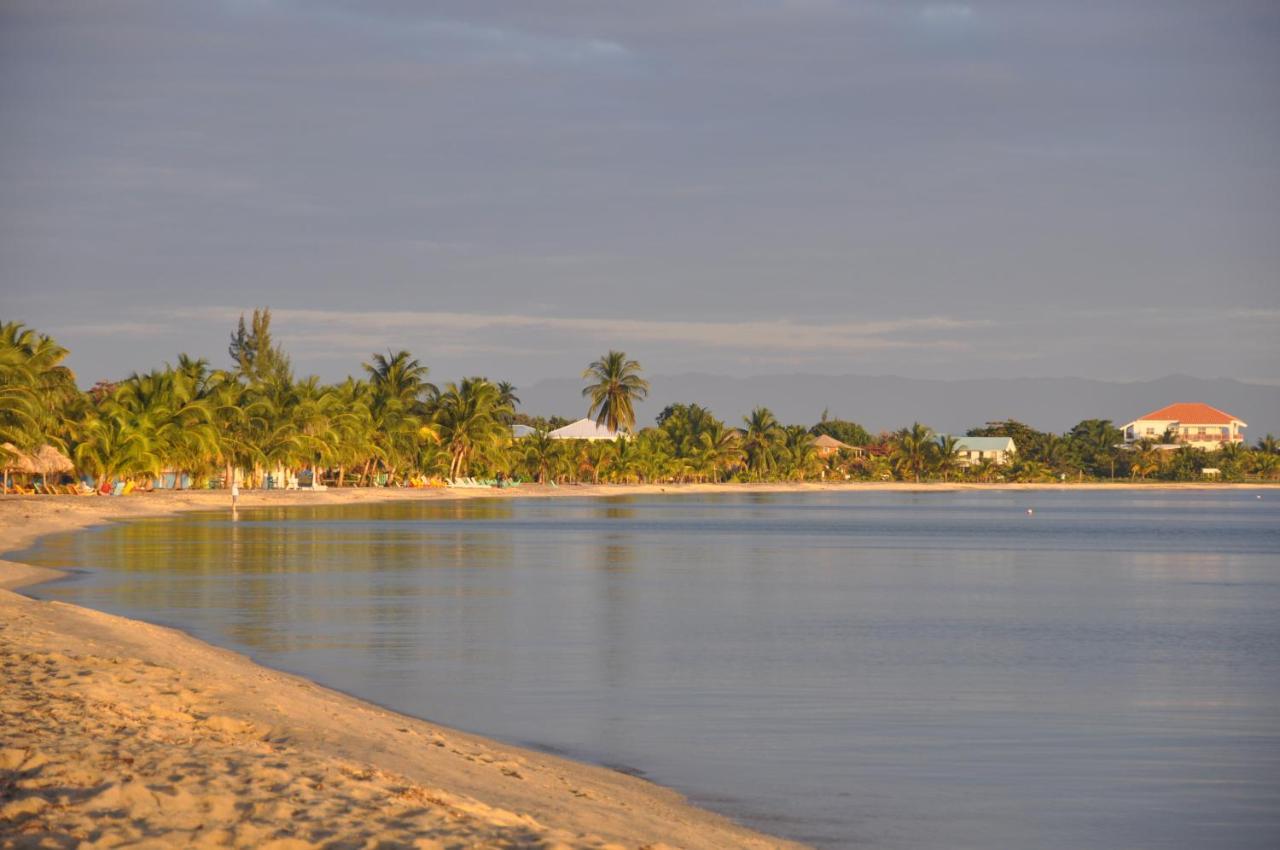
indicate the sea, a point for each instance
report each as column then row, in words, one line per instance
column 975, row 669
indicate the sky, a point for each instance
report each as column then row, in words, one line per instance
column 929, row 189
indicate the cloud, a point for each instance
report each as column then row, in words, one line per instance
column 513, row 334
column 946, row 14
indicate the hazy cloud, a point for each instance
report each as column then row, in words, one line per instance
column 1037, row 187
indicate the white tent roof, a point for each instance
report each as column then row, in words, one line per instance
column 583, row 429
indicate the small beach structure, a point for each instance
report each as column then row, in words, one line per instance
column 584, row 429
column 826, row 446
column 974, row 450
column 1189, row 424
column 44, row 461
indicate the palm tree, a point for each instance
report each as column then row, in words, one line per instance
column 34, row 388
column 1098, row 438
column 946, row 458
column 469, row 423
column 541, row 454
column 986, row 470
column 617, row 387
column 624, row 462
column 1266, row 464
column 398, row 403
column 112, row 446
column 1031, row 471
column 508, row 398
column 355, row 429
column 399, row 376
column 654, row 458
column 719, row 449
column 761, row 440
column 594, row 458
column 801, row 458
column 913, row 450
column 1146, row 461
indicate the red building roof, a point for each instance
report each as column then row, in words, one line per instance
column 1191, row 413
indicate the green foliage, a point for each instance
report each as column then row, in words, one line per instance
column 850, row 433
column 470, row 421
column 539, row 423
column 35, row 389
column 762, row 440
column 255, row 356
column 394, row 425
column 914, row 451
column 617, row 386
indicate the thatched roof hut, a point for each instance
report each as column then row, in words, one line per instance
column 44, row 461
column 828, row 445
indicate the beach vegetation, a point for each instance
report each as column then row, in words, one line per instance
column 616, row 387
column 189, row 423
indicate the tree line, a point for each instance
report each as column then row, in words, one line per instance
column 393, row 425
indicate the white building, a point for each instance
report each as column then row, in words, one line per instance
column 974, row 450
column 583, row 429
column 1190, row 423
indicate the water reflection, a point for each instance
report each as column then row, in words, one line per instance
column 914, row 670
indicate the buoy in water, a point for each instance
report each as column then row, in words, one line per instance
column 1030, row 511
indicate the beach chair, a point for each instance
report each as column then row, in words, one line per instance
column 117, row 489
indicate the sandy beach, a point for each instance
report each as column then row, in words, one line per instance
column 121, row 733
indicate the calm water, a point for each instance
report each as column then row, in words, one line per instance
column 879, row 670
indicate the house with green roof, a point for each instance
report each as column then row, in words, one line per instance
column 971, row 451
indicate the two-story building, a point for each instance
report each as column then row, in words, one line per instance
column 971, row 451
column 1188, row 423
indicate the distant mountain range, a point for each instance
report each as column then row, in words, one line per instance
column 885, row 402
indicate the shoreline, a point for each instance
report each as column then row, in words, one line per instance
column 122, row 730
column 110, row 717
